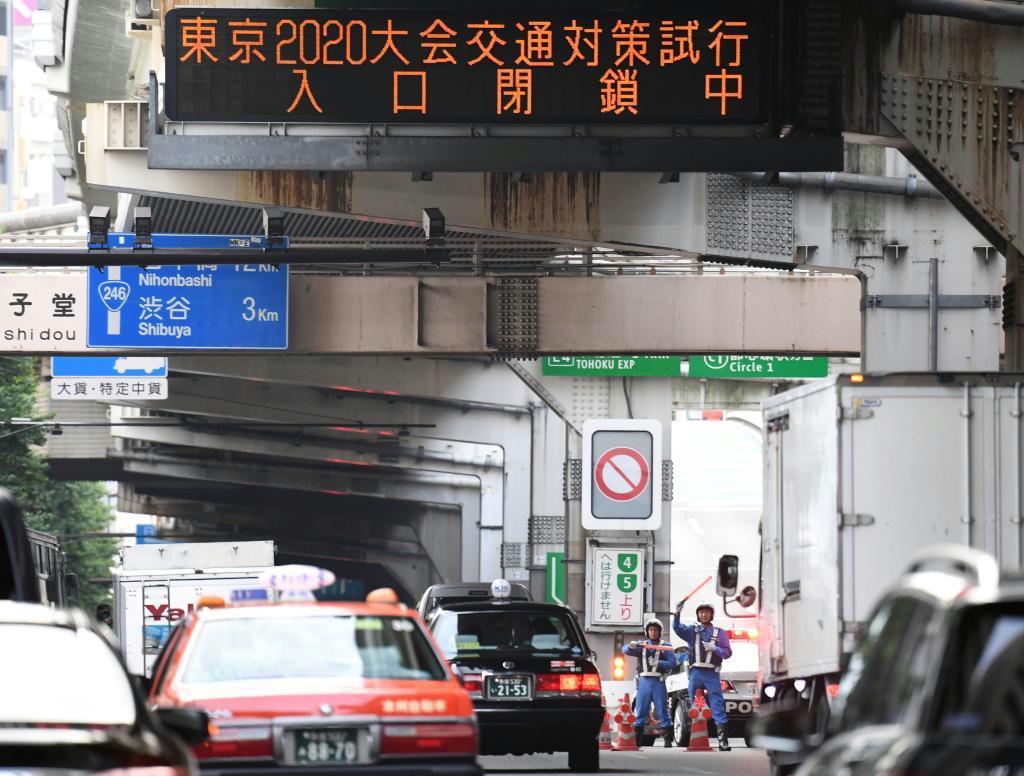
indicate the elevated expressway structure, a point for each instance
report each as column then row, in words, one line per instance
column 571, row 254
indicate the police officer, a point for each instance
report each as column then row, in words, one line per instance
column 709, row 646
column 652, row 667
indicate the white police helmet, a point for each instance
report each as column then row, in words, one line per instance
column 706, row 605
column 655, row 622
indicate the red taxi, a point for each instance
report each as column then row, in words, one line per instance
column 303, row 688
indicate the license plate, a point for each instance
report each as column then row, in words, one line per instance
column 508, row 688
column 326, row 746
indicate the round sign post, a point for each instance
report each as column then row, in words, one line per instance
column 622, row 474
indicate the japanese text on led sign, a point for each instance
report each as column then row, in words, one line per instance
column 683, row 63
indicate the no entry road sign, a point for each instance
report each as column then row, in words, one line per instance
column 622, row 467
column 622, row 474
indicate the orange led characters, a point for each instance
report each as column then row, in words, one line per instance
column 199, row 36
column 438, row 40
column 620, row 92
column 536, row 48
column 631, row 42
column 417, row 80
column 304, row 90
column 723, row 85
column 247, row 38
column 486, row 46
column 390, row 33
column 677, row 42
column 580, row 38
column 515, row 91
column 734, row 38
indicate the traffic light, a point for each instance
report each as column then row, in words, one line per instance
column 618, row 660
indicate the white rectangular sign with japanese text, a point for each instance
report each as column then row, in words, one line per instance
column 616, row 581
column 111, row 389
column 42, row 313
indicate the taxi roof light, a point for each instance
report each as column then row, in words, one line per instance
column 501, row 590
column 210, row 602
column 382, row 595
column 295, row 582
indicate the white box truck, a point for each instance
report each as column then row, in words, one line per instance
column 155, row 585
column 860, row 472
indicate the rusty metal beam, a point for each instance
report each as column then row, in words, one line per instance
column 947, row 91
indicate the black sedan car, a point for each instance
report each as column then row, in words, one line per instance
column 67, row 704
column 531, row 675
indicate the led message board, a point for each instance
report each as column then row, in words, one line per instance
column 661, row 63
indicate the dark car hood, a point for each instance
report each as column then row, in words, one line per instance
column 84, row 751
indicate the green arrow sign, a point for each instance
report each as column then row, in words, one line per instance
column 753, row 367
column 555, row 590
column 613, row 366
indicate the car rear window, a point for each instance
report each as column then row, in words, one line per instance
column 317, row 647
column 498, row 630
column 61, row 676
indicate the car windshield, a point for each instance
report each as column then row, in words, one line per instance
column 55, row 675
column 460, row 633
column 310, row 647
column 984, row 674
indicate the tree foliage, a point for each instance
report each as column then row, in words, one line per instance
column 62, row 508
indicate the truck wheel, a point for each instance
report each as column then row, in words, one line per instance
column 681, row 723
column 585, row 757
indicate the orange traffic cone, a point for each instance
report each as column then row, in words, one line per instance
column 699, row 714
column 604, row 738
column 625, row 741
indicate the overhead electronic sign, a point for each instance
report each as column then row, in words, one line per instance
column 656, row 63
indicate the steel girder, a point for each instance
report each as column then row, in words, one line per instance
column 947, row 91
column 224, row 398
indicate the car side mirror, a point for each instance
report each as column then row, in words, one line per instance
column 728, row 575
column 781, row 729
column 191, row 725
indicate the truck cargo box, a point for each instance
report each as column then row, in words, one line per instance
column 155, row 585
column 858, row 475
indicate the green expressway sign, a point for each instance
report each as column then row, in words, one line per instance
column 613, row 366
column 746, row 367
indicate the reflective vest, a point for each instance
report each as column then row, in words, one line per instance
column 700, row 658
column 647, row 661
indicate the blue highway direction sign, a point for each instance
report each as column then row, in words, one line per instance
column 227, row 306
